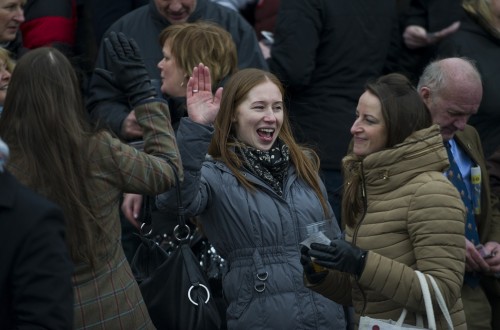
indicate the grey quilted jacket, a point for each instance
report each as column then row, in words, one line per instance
column 258, row 234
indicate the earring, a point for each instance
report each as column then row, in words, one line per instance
column 186, row 77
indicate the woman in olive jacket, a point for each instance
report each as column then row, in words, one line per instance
column 401, row 213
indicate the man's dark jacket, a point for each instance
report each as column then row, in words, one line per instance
column 36, row 291
column 144, row 25
column 325, row 51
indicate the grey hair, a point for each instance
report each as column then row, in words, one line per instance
column 434, row 75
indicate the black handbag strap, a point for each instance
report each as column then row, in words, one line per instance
column 182, row 232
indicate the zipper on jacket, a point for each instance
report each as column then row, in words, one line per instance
column 355, row 234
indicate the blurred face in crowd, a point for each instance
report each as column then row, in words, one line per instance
column 4, row 81
column 260, row 116
column 11, row 17
column 453, row 105
column 176, row 11
column 173, row 78
column 369, row 130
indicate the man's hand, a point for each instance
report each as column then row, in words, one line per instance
column 474, row 262
column 265, row 49
column 416, row 36
column 494, row 260
column 131, row 207
column 131, row 128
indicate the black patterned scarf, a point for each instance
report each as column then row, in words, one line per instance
column 269, row 165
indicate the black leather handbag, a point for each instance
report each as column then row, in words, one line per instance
column 175, row 288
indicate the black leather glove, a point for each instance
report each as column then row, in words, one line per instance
column 125, row 62
column 339, row 255
column 312, row 276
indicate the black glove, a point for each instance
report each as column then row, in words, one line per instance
column 125, row 62
column 312, row 276
column 339, row 255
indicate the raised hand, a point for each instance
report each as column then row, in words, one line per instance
column 202, row 105
column 125, row 62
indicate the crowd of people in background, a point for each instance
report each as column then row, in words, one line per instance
column 381, row 118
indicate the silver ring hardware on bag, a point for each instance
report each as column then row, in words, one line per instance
column 199, row 285
column 178, row 232
column 144, row 226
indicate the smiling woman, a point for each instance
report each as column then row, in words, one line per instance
column 252, row 196
column 397, row 207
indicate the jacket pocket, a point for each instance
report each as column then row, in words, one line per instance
column 245, row 295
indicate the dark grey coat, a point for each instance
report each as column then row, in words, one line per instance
column 258, row 233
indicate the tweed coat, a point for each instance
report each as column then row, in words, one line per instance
column 414, row 219
column 258, row 233
column 488, row 221
column 108, row 297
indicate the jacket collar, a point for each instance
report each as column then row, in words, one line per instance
column 421, row 152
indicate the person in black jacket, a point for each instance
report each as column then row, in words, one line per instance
column 478, row 39
column 35, row 280
column 11, row 18
column 107, row 105
column 324, row 51
column 424, row 24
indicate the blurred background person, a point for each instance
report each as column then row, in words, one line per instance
column 424, row 23
column 317, row 55
column 145, row 25
column 6, row 68
column 50, row 23
column 11, row 18
column 479, row 40
column 35, row 282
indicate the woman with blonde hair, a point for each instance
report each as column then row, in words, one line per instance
column 184, row 47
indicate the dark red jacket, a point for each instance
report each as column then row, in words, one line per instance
column 49, row 23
